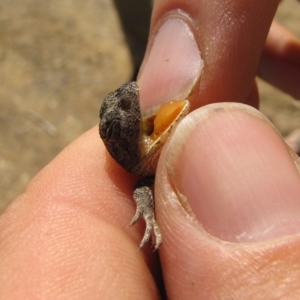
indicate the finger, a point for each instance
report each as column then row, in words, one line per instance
column 68, row 234
column 209, row 49
column 280, row 60
column 227, row 196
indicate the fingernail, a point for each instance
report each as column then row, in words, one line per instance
column 236, row 173
column 173, row 65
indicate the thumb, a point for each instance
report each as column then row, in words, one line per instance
column 228, row 205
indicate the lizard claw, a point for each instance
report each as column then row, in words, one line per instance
column 152, row 228
column 143, row 197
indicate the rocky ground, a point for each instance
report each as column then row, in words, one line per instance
column 58, row 59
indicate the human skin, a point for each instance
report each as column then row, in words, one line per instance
column 227, row 186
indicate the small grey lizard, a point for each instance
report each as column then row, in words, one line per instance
column 135, row 142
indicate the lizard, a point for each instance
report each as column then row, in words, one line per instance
column 135, row 141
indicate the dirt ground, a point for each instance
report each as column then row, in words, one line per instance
column 58, row 60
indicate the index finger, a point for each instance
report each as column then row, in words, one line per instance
column 209, row 49
column 68, row 234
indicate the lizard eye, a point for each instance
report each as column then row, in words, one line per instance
column 125, row 103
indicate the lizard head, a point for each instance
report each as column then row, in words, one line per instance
column 135, row 142
column 119, row 127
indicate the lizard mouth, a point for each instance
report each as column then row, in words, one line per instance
column 156, row 128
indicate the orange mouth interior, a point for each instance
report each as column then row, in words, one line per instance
column 155, row 125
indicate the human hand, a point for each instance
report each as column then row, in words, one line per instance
column 67, row 236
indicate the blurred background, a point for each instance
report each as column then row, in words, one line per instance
column 58, row 60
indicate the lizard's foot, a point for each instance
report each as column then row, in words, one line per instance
column 143, row 197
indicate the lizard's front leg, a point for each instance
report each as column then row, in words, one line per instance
column 143, row 197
